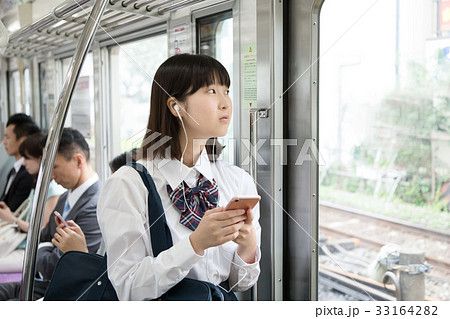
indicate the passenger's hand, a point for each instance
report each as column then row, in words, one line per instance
column 5, row 213
column 246, row 240
column 69, row 238
column 217, row 227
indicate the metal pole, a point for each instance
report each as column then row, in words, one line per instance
column 412, row 284
column 253, row 171
column 60, row 11
column 54, row 135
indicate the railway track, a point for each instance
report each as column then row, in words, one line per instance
column 356, row 286
column 356, row 238
column 423, row 231
column 383, row 230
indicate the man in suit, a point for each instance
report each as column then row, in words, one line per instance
column 19, row 182
column 6, row 163
column 73, row 171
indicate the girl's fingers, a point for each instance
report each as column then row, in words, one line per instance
column 231, row 229
column 230, row 214
column 214, row 210
column 250, row 216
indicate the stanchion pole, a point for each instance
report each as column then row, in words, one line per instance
column 51, row 147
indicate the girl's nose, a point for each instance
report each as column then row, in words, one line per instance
column 225, row 102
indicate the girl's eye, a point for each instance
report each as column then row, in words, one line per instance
column 227, row 92
column 211, row 91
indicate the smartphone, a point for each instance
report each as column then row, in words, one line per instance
column 243, row 202
column 61, row 219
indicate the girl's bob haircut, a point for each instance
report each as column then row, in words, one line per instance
column 33, row 146
column 179, row 77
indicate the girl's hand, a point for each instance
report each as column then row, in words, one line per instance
column 217, row 227
column 5, row 213
column 246, row 240
column 69, row 238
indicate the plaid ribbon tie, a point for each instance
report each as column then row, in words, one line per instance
column 199, row 199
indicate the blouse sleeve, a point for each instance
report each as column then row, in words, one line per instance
column 242, row 275
column 132, row 269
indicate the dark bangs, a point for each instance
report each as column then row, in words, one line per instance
column 207, row 71
column 192, row 72
column 32, row 146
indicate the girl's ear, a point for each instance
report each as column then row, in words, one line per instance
column 171, row 102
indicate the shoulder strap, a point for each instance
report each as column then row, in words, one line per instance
column 159, row 230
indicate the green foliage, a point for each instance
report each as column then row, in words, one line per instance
column 407, row 120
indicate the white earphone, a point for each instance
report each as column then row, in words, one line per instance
column 176, row 107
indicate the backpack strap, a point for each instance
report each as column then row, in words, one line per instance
column 159, row 230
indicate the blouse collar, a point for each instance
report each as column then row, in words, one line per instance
column 174, row 175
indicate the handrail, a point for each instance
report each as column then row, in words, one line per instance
column 51, row 147
column 50, row 26
column 59, row 12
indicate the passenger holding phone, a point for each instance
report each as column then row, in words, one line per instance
column 73, row 171
column 69, row 235
column 190, row 105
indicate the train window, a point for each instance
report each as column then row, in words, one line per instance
column 133, row 66
column 15, row 92
column 385, row 138
column 27, row 91
column 20, row 87
column 215, row 38
column 81, row 114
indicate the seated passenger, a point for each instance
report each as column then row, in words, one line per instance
column 72, row 237
column 19, row 182
column 6, row 163
column 73, row 171
column 31, row 150
column 213, row 245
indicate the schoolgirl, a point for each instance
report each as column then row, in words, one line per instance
column 190, row 105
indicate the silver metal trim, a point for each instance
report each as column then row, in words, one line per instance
column 314, row 87
column 54, row 135
column 276, row 113
column 254, row 114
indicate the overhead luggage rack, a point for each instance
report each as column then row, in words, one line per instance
column 63, row 26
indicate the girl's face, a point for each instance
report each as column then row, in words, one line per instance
column 32, row 165
column 207, row 112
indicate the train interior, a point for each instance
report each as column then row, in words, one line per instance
column 341, row 116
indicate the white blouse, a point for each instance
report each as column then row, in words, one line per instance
column 123, row 218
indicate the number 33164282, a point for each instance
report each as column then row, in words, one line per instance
column 405, row 310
